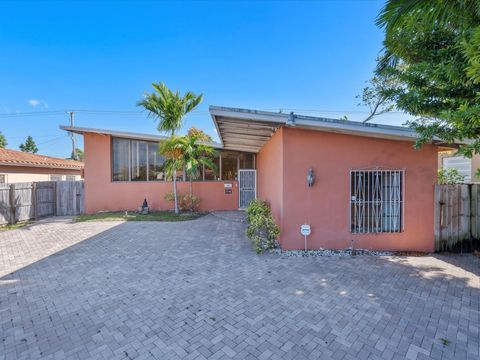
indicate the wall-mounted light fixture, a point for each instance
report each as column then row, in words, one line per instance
column 310, row 177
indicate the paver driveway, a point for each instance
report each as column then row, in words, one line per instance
column 195, row 290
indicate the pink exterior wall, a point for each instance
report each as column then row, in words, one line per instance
column 270, row 174
column 103, row 194
column 325, row 206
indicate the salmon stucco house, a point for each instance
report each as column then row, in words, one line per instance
column 17, row 166
column 368, row 187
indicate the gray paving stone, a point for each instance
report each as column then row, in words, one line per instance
column 196, row 290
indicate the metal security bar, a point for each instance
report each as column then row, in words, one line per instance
column 376, row 201
column 247, row 187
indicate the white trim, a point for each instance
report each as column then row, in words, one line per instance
column 246, row 116
column 128, row 135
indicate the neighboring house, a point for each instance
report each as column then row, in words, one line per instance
column 372, row 189
column 17, row 166
column 465, row 166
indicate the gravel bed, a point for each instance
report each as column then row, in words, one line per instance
column 329, row 253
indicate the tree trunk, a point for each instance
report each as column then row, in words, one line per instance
column 175, row 187
column 191, row 195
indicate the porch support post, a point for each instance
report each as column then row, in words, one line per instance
column 220, row 163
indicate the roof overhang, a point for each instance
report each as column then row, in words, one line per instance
column 248, row 130
column 127, row 135
column 245, row 130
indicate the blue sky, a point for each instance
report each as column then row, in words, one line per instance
column 313, row 57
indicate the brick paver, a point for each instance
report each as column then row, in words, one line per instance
column 196, row 290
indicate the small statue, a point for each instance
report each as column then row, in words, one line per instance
column 144, row 208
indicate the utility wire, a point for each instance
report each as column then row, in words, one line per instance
column 143, row 113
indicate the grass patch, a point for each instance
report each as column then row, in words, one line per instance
column 18, row 225
column 132, row 216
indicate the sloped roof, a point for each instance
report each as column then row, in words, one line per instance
column 19, row 158
column 128, row 135
column 249, row 130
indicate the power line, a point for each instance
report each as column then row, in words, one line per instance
column 143, row 113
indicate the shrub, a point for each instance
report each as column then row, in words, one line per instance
column 262, row 229
column 450, row 177
column 184, row 201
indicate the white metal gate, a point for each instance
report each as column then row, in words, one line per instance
column 247, row 187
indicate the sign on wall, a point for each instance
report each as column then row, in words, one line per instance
column 305, row 230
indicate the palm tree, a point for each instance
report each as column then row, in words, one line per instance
column 173, row 149
column 195, row 156
column 170, row 108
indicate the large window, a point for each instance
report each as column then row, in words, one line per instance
column 134, row 160
column 376, row 201
column 138, row 161
column 121, row 160
column 156, row 169
column 213, row 174
column 229, row 166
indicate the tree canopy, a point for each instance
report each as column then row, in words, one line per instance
column 169, row 107
column 29, row 146
column 79, row 155
column 3, row 141
column 199, row 134
column 432, row 50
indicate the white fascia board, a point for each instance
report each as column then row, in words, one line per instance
column 128, row 135
column 354, row 129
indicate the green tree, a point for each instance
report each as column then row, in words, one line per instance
column 195, row 157
column 449, row 177
column 3, row 141
column 377, row 95
column 79, row 153
column 29, row 146
column 200, row 134
column 173, row 150
column 169, row 108
column 432, row 48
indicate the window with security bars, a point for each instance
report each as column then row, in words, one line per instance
column 376, row 201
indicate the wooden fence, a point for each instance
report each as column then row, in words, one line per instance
column 457, row 216
column 34, row 200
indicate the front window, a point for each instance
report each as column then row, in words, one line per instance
column 135, row 160
column 121, row 159
column 229, row 166
column 156, row 169
column 376, row 201
column 213, row 174
column 138, row 161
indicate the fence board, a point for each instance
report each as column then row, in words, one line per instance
column 5, row 209
column 26, row 201
column 23, row 196
column 457, row 210
column 45, row 198
column 68, row 194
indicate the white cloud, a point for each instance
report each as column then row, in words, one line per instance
column 34, row 102
column 215, row 131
